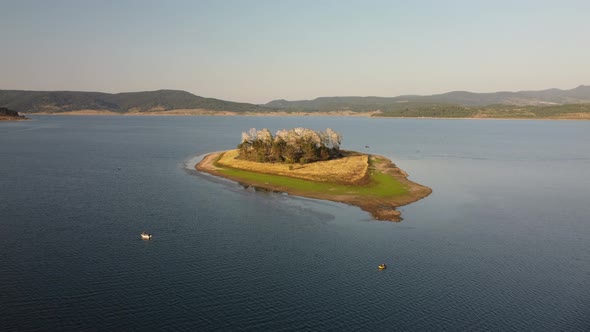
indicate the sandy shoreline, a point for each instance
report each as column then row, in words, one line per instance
column 379, row 208
column 375, row 114
column 11, row 118
column 202, row 112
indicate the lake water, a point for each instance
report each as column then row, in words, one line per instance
column 503, row 243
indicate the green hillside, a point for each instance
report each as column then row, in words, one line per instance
column 525, row 105
column 568, row 111
column 578, row 95
column 161, row 100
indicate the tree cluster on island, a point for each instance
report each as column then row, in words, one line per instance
column 5, row 113
column 297, row 145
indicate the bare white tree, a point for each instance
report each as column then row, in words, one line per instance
column 295, row 145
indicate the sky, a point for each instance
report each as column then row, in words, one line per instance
column 257, row 51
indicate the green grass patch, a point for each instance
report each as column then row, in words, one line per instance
column 380, row 185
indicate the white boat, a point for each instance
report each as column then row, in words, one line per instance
column 145, row 236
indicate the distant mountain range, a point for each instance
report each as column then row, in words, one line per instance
column 460, row 102
column 137, row 102
column 578, row 95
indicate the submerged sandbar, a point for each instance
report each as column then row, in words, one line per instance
column 370, row 182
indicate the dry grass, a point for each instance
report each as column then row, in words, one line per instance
column 384, row 188
column 351, row 169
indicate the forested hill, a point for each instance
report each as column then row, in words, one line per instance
column 546, row 104
column 148, row 101
column 578, row 95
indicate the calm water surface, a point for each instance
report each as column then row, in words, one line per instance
column 503, row 243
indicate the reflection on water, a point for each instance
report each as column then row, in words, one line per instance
column 258, row 189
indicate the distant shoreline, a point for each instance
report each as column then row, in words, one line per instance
column 13, row 118
column 569, row 104
column 372, row 114
column 202, row 112
column 372, row 192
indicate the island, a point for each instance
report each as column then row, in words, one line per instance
column 10, row 115
column 307, row 163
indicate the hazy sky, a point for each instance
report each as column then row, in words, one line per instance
column 256, row 51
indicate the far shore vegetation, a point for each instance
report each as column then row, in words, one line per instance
column 567, row 111
column 573, row 104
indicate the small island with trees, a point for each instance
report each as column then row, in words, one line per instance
column 310, row 163
column 10, row 115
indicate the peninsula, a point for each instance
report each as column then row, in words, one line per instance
column 318, row 170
